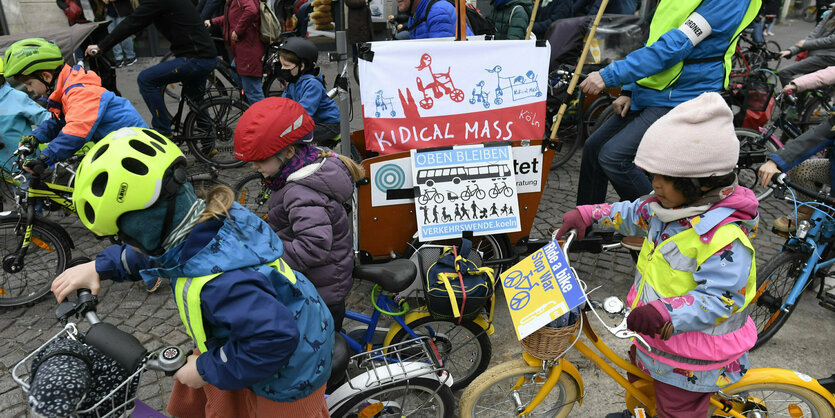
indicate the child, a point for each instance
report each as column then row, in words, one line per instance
column 696, row 270
column 17, row 115
column 82, row 109
column 511, row 18
column 264, row 336
column 310, row 186
column 305, row 85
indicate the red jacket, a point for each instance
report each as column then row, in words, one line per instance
column 243, row 17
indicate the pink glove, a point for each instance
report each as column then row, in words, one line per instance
column 573, row 220
column 647, row 320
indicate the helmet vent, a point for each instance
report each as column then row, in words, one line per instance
column 100, row 151
column 155, row 136
column 135, row 166
column 142, row 147
column 99, row 184
column 89, row 213
column 159, row 147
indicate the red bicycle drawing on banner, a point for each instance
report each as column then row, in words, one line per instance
column 441, row 84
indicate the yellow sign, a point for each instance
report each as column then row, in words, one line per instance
column 540, row 289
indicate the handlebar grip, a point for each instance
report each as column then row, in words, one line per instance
column 94, row 52
column 117, row 344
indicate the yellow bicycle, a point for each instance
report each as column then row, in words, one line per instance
column 530, row 386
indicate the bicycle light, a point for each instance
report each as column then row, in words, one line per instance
column 803, row 228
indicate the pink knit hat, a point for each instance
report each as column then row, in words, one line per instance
column 695, row 139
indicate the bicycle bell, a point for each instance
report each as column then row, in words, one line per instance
column 613, row 305
column 169, row 360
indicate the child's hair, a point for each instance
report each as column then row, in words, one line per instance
column 692, row 188
column 21, row 78
column 218, row 202
column 357, row 171
column 2, row 79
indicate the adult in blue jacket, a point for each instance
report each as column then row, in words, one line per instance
column 430, row 18
column 263, row 335
column 685, row 55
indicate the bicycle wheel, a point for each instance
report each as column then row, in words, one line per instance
column 749, row 141
column 417, row 397
column 774, row 49
column 814, row 112
column 571, row 135
column 46, row 257
column 490, row 395
column 592, row 117
column 203, row 183
column 774, row 282
column 780, row 400
column 273, row 87
column 465, row 348
column 209, row 131
column 252, row 193
column 218, row 83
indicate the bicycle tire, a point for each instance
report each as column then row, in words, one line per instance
column 273, row 87
column 47, row 256
column 816, row 406
column 814, row 112
column 443, row 407
column 204, row 183
column 492, row 382
column 774, row 49
column 214, row 120
column 747, row 174
column 446, row 334
column 773, row 291
column 252, row 193
column 219, row 82
column 592, row 117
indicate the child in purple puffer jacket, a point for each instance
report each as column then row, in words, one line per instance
column 309, row 186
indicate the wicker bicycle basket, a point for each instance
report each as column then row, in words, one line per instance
column 549, row 343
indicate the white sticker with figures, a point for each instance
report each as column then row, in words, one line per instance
column 424, row 94
column 467, row 188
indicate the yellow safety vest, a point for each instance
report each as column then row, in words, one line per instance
column 671, row 14
column 187, row 294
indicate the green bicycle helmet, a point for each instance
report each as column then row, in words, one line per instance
column 1, row 65
column 27, row 56
column 130, row 169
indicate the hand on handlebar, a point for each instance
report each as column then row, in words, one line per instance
column 767, row 171
column 789, row 88
column 79, row 277
column 785, row 53
column 35, row 165
column 593, row 84
column 572, row 220
column 92, row 50
column 188, row 374
column 648, row 321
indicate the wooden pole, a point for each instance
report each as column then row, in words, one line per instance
column 533, row 17
column 579, row 69
column 461, row 12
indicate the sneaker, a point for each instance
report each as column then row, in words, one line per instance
column 152, row 287
column 128, row 62
column 770, row 33
column 786, row 225
column 119, row 64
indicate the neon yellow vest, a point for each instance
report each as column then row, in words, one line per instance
column 187, row 294
column 668, row 268
column 671, row 14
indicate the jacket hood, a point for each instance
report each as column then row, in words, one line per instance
column 740, row 207
column 243, row 234
column 324, row 176
column 71, row 77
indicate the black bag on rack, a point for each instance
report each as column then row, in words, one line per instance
column 457, row 288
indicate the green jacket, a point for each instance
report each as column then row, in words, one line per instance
column 511, row 18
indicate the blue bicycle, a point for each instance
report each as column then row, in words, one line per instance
column 464, row 347
column 804, row 258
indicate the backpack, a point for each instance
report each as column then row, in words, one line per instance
column 455, row 287
column 479, row 24
column 270, row 28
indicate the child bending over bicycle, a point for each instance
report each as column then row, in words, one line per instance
column 310, row 186
column 696, row 270
column 305, row 85
column 263, row 335
column 18, row 113
column 810, row 173
column 82, row 110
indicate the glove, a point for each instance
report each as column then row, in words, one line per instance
column 573, row 220
column 37, row 165
column 647, row 320
column 28, row 141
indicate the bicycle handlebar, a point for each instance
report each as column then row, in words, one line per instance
column 782, row 180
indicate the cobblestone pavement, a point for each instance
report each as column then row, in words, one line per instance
column 803, row 344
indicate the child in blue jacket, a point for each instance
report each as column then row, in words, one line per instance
column 305, row 85
column 18, row 113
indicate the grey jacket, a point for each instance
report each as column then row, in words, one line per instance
column 821, row 41
column 806, row 145
column 308, row 215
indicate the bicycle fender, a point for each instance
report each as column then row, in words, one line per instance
column 553, row 376
column 565, row 366
column 415, row 315
column 785, row 376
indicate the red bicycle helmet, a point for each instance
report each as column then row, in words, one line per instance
column 269, row 126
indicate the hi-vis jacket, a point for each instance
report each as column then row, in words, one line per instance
column 257, row 323
column 699, row 272
column 688, row 52
column 82, row 111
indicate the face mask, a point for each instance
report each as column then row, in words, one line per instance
column 285, row 75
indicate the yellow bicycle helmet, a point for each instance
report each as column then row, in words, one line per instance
column 1, row 66
column 27, row 56
column 128, row 170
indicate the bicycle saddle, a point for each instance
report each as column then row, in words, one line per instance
column 393, row 276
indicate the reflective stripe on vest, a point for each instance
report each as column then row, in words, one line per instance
column 187, row 295
column 667, row 270
column 672, row 14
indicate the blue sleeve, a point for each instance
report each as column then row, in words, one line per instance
column 624, row 216
column 670, row 48
column 441, row 21
column 309, row 95
column 33, row 112
column 263, row 334
column 48, row 130
column 720, row 291
column 120, row 263
column 63, row 147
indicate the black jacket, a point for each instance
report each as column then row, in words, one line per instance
column 177, row 20
column 119, row 8
column 555, row 10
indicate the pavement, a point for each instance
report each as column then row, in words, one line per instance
column 802, row 344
